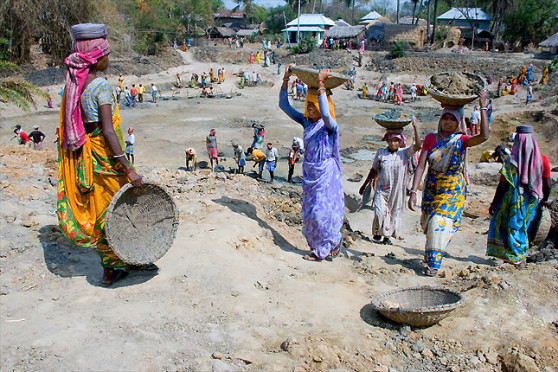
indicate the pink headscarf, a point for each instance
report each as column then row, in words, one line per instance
column 526, row 156
column 85, row 54
column 399, row 136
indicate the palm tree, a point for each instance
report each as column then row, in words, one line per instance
column 433, row 40
column 16, row 90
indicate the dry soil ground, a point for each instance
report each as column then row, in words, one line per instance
column 233, row 293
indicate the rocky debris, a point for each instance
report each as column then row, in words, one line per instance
column 518, row 362
column 455, row 84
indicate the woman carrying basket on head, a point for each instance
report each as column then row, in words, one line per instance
column 445, row 184
column 323, row 204
column 92, row 165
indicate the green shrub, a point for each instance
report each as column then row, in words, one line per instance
column 397, row 49
column 306, row 45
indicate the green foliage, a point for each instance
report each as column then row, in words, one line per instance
column 397, row 49
column 530, row 21
column 306, row 45
column 553, row 66
column 275, row 20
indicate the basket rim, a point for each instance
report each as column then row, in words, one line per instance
column 314, row 71
column 376, row 301
column 430, row 89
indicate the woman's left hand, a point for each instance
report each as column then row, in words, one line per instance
column 323, row 74
column 414, row 121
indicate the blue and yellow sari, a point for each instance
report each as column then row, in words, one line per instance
column 443, row 197
column 508, row 232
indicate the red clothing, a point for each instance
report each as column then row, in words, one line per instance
column 133, row 91
column 23, row 138
column 430, row 142
column 545, row 166
column 292, row 157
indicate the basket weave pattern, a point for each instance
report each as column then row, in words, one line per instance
column 310, row 77
column 418, row 306
column 141, row 223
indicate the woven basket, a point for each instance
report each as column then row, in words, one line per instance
column 141, row 223
column 310, row 77
column 417, row 306
column 454, row 101
column 545, row 223
column 393, row 124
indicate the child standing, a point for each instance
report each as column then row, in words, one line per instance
column 130, row 141
column 239, row 157
column 390, row 165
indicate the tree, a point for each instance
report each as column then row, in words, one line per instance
column 275, row 20
column 16, row 90
column 530, row 21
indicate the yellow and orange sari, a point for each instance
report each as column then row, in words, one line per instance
column 87, row 180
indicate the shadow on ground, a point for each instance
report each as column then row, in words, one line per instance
column 65, row 259
column 249, row 210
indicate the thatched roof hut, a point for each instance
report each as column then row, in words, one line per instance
column 346, row 32
column 551, row 42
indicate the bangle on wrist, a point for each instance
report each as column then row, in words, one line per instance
column 129, row 171
column 412, row 191
column 118, row 156
column 285, row 79
column 484, row 108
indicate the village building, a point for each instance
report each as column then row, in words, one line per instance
column 347, row 33
column 551, row 43
column 229, row 17
column 313, row 25
column 465, row 18
column 370, row 17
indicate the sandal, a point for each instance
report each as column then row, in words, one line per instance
column 428, row 271
column 111, row 276
column 312, row 257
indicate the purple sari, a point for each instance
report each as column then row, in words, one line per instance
column 323, row 202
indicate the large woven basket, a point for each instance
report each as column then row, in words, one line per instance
column 544, row 225
column 417, row 306
column 454, row 101
column 310, row 77
column 393, row 124
column 141, row 223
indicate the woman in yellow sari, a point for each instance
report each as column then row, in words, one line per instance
column 92, row 165
column 445, row 185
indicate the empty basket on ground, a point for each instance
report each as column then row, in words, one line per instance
column 543, row 226
column 310, row 77
column 454, row 100
column 417, row 306
column 141, row 223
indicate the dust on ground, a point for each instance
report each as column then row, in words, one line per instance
column 233, row 292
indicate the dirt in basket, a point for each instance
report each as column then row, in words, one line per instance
column 455, row 83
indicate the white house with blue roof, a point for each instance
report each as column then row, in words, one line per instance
column 463, row 17
column 313, row 25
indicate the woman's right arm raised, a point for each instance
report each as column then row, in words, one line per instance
column 284, row 98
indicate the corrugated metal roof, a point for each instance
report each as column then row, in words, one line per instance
column 244, row 32
column 550, row 42
column 303, row 28
column 459, row 13
column 371, row 16
column 312, row 20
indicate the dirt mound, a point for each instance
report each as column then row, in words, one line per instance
column 455, row 83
